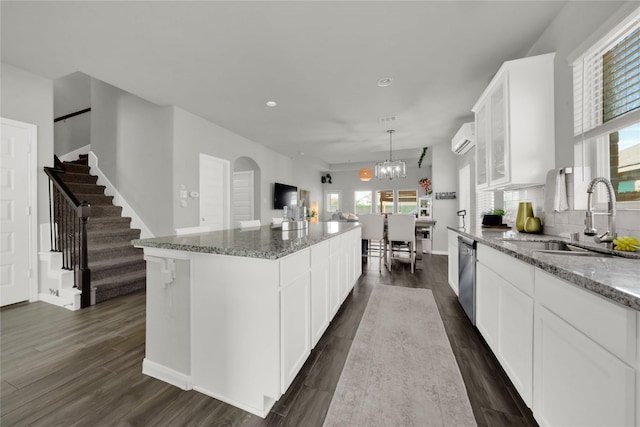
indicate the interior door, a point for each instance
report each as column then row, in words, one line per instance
column 242, row 197
column 214, row 192
column 15, row 213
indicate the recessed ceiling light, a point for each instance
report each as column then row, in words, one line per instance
column 385, row 81
column 301, row 153
column 271, row 103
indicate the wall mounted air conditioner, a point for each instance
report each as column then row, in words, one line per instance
column 464, row 139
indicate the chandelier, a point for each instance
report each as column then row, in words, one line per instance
column 390, row 169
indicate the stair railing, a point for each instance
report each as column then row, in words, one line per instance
column 68, row 220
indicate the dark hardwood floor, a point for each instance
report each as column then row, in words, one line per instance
column 55, row 373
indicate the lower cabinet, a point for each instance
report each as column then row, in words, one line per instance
column 584, row 349
column 313, row 284
column 504, row 316
column 452, row 238
column 320, row 284
column 573, row 356
column 577, row 382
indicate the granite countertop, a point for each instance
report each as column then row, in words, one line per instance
column 260, row 242
column 614, row 277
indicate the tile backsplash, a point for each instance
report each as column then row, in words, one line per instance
column 627, row 222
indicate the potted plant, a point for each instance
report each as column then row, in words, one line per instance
column 493, row 218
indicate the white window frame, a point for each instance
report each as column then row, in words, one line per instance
column 355, row 199
column 396, row 198
column 377, row 205
column 327, row 195
column 591, row 129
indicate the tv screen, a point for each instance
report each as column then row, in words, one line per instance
column 284, row 195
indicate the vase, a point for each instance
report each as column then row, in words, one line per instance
column 525, row 210
column 532, row 225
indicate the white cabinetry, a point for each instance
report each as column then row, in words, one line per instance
column 584, row 346
column 320, row 281
column 239, row 328
column 336, row 266
column 515, row 125
column 452, row 237
column 295, row 315
column 504, row 314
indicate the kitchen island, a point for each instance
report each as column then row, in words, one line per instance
column 234, row 314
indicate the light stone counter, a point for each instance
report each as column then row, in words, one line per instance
column 260, row 242
column 614, row 277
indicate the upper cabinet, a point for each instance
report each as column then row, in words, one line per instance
column 515, row 129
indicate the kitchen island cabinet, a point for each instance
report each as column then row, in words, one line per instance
column 234, row 314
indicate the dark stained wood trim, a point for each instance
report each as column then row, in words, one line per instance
column 68, row 116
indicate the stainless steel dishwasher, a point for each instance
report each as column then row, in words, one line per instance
column 467, row 276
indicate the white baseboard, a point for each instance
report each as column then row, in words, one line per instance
column 167, row 375
column 75, row 154
column 118, row 200
column 439, row 253
column 60, row 302
column 263, row 412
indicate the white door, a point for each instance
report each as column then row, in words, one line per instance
column 16, row 233
column 214, row 192
column 242, row 197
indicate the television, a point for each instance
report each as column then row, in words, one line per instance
column 284, row 195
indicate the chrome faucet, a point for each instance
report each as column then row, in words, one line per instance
column 608, row 236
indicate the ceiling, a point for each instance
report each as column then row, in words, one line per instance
column 319, row 60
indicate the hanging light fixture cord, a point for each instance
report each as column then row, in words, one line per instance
column 391, row 131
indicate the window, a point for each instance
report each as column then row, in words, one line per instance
column 606, row 87
column 333, row 202
column 363, row 202
column 384, row 199
column 408, row 202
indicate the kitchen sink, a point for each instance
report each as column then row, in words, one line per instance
column 554, row 247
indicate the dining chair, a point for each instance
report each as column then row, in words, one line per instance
column 401, row 235
column 372, row 226
column 250, row 224
column 193, row 230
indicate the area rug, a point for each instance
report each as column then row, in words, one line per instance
column 400, row 370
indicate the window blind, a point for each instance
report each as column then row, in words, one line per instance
column 621, row 77
column 606, row 81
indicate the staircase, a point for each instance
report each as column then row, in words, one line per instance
column 117, row 268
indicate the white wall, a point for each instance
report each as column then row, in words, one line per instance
column 445, row 179
column 70, row 94
column 28, row 98
column 132, row 139
column 193, row 135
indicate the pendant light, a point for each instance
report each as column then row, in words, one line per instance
column 365, row 174
column 390, row 169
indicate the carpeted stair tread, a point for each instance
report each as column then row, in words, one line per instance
column 96, row 224
column 112, row 251
column 95, row 199
column 85, row 178
column 112, row 267
column 118, row 285
column 85, row 188
column 76, row 167
column 105, row 211
column 115, row 231
column 106, row 236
